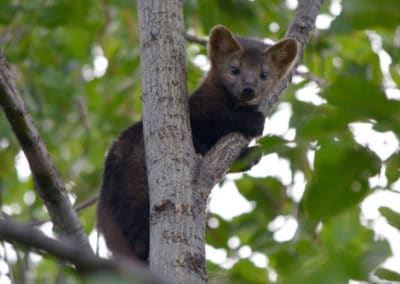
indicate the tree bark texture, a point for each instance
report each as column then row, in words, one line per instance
column 177, row 244
column 179, row 180
column 50, row 186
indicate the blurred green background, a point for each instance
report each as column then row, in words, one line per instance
column 76, row 64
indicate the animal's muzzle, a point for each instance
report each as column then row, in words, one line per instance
column 248, row 93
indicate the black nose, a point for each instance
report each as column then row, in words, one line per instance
column 248, row 93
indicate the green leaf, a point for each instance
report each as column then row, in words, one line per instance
column 339, row 180
column 367, row 14
column 58, row 14
column 75, row 41
column 348, row 240
column 273, row 144
column 218, row 237
column 395, row 73
column 293, row 261
column 347, row 251
column 64, row 12
column 7, row 12
column 393, row 168
column 244, row 271
column 387, row 274
column 362, row 100
column 323, row 123
column 391, row 216
column 356, row 47
column 268, row 193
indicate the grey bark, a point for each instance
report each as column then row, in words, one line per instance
column 177, row 249
column 179, row 180
column 67, row 250
column 50, row 186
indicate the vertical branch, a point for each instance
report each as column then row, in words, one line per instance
column 175, row 251
column 50, row 186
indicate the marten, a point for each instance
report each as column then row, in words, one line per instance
column 243, row 72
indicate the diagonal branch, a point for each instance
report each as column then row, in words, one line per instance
column 50, row 186
column 310, row 77
column 195, row 39
column 217, row 161
column 68, row 250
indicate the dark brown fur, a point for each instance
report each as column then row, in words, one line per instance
column 243, row 71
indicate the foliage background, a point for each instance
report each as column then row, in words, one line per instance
column 76, row 64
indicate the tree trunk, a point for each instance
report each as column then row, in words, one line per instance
column 179, row 180
column 177, row 245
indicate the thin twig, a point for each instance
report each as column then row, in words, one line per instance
column 87, row 203
column 195, row 39
column 83, row 205
column 311, row 77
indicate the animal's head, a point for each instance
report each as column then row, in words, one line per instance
column 249, row 69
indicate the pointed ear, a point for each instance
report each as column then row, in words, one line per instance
column 283, row 55
column 221, row 42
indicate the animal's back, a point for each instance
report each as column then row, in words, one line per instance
column 243, row 72
column 123, row 210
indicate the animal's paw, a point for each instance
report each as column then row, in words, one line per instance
column 253, row 124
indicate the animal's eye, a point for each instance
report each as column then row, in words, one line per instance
column 235, row 70
column 264, row 75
